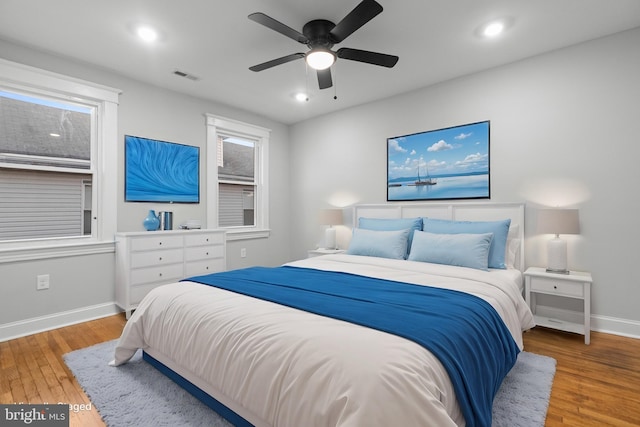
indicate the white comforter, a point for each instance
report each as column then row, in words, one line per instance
column 286, row 367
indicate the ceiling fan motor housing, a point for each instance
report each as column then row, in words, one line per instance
column 318, row 33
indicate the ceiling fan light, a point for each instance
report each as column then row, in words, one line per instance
column 320, row 59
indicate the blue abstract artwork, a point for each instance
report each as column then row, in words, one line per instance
column 159, row 171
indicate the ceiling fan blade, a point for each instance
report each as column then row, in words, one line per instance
column 274, row 62
column 278, row 26
column 363, row 13
column 324, row 78
column 374, row 58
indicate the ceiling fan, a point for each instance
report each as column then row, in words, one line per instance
column 320, row 35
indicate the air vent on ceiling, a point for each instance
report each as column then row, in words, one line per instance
column 186, row 75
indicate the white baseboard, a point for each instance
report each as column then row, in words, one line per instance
column 34, row 325
column 606, row 324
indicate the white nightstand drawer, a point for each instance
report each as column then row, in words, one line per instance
column 208, row 266
column 166, row 273
column 155, row 258
column 203, row 252
column 159, row 242
column 557, row 287
column 204, row 239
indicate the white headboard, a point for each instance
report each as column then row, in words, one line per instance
column 463, row 211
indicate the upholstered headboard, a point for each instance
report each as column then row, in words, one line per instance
column 463, row 211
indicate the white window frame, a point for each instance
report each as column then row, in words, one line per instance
column 230, row 127
column 104, row 161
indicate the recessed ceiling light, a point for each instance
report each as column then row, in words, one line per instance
column 302, row 97
column 55, row 135
column 147, row 34
column 493, row 29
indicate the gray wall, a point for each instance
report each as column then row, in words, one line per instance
column 149, row 111
column 564, row 132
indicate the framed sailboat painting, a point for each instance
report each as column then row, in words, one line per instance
column 441, row 164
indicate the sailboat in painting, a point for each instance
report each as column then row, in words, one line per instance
column 426, row 181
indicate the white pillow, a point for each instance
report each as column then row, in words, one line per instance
column 383, row 244
column 461, row 249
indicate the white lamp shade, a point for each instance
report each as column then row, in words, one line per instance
column 558, row 221
column 330, row 217
column 320, row 59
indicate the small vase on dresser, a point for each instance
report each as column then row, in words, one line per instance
column 151, row 222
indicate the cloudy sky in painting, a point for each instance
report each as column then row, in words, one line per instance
column 451, row 151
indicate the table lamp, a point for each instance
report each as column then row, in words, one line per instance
column 330, row 217
column 558, row 221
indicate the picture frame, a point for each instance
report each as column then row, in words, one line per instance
column 442, row 164
column 160, row 171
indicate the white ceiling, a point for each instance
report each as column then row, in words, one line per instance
column 214, row 40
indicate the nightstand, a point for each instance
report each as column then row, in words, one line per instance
column 324, row 251
column 576, row 285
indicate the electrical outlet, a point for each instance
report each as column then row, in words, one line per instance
column 243, row 253
column 42, row 282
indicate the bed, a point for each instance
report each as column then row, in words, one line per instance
column 251, row 350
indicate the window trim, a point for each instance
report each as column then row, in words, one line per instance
column 218, row 124
column 104, row 159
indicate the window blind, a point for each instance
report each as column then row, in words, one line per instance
column 36, row 204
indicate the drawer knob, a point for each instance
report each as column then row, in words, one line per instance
column 160, row 274
column 207, row 239
column 207, row 253
column 160, row 243
column 160, row 258
column 207, row 267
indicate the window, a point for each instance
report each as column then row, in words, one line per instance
column 58, row 162
column 236, row 181
column 45, row 164
column 237, row 185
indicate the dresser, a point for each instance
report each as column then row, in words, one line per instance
column 148, row 259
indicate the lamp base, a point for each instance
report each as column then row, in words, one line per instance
column 557, row 256
column 330, row 238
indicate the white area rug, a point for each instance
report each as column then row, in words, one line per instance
column 136, row 394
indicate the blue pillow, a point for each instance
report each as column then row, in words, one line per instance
column 463, row 250
column 500, row 230
column 383, row 244
column 392, row 224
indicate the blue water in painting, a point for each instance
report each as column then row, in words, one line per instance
column 158, row 171
column 453, row 187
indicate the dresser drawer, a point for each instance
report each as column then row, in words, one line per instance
column 203, row 252
column 139, row 292
column 558, row 287
column 197, row 268
column 203, row 239
column 165, row 274
column 159, row 242
column 155, row 258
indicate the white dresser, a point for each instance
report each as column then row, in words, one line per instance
column 147, row 259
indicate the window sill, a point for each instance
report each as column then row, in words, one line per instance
column 244, row 234
column 38, row 252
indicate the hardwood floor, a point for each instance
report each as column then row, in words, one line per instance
column 32, row 369
column 595, row 385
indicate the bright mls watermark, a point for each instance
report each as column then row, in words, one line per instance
column 40, row 415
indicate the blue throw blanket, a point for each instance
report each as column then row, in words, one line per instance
column 463, row 331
